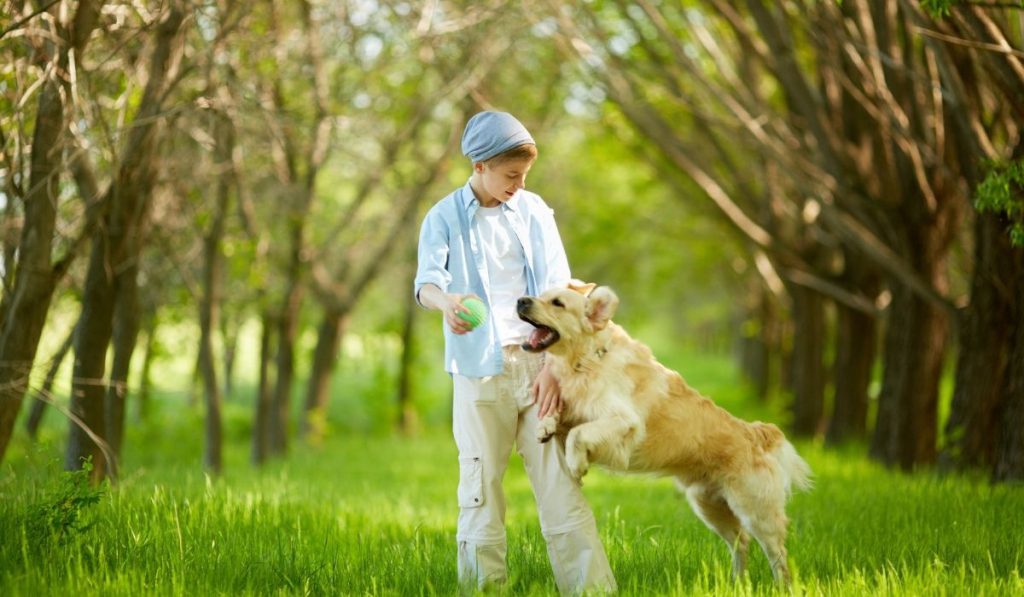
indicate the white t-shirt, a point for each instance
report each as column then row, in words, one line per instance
column 506, row 270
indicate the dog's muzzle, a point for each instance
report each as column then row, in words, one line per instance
column 542, row 337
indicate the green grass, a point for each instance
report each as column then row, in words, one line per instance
column 375, row 514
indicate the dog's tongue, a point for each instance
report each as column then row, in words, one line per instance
column 538, row 336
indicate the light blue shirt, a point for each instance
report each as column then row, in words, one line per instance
column 451, row 257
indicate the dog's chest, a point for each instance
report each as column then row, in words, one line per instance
column 587, row 398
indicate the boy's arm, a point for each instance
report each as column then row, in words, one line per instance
column 432, row 274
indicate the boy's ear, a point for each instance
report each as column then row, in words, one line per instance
column 601, row 306
column 584, row 288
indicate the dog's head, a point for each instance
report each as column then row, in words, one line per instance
column 566, row 314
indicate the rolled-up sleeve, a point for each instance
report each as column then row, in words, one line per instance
column 432, row 255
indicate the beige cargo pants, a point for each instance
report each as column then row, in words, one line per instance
column 489, row 415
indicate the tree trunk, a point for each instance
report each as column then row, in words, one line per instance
column 856, row 339
column 209, row 306
column 986, row 345
column 1009, row 465
column 95, row 327
column 212, row 449
column 125, row 335
column 35, row 417
column 264, row 395
column 325, row 358
column 148, row 356
column 288, row 324
column 914, row 348
column 117, row 246
column 229, row 337
column 25, row 308
column 407, row 422
column 759, row 342
column 195, row 382
column 856, row 348
column 808, row 360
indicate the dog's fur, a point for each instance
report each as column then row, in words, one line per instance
column 624, row 410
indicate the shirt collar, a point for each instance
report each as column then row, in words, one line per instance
column 470, row 203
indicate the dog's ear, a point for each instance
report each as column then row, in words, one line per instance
column 584, row 288
column 601, row 307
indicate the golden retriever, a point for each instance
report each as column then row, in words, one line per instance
column 624, row 410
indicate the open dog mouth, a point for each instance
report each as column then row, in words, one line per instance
column 542, row 337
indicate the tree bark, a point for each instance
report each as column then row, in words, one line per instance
column 209, row 306
column 1009, row 465
column 91, row 342
column 914, row 348
column 808, row 360
column 856, row 340
column 856, row 348
column 229, row 337
column 986, row 339
column 325, row 359
column 759, row 342
column 407, row 421
column 125, row 336
column 288, row 324
column 145, row 381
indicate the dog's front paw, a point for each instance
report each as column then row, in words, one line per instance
column 578, row 464
column 576, row 455
column 546, row 428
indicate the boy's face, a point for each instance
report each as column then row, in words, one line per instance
column 498, row 183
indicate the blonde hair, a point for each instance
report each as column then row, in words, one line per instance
column 527, row 151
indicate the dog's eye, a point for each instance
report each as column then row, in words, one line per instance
column 558, row 303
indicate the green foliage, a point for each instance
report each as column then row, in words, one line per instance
column 942, row 8
column 1002, row 193
column 938, row 8
column 60, row 513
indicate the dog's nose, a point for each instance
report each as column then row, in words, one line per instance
column 523, row 304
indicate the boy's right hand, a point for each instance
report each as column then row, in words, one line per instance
column 451, row 311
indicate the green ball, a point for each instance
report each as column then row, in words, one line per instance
column 477, row 311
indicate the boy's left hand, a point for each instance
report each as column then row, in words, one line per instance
column 547, row 393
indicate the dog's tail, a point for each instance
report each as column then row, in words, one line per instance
column 796, row 474
column 795, row 470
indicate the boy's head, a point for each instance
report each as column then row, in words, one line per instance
column 502, row 152
column 491, row 135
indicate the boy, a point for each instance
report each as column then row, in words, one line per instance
column 494, row 240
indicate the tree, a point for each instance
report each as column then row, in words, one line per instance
column 983, row 429
column 35, row 274
column 878, row 171
column 110, row 284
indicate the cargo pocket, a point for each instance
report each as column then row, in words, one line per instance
column 471, row 483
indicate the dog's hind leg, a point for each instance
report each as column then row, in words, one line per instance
column 762, row 512
column 712, row 508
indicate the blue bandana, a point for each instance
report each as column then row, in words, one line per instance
column 489, row 133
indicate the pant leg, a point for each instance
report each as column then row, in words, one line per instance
column 577, row 556
column 483, row 423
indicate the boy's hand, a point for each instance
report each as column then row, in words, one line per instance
column 452, row 308
column 450, row 305
column 547, row 393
